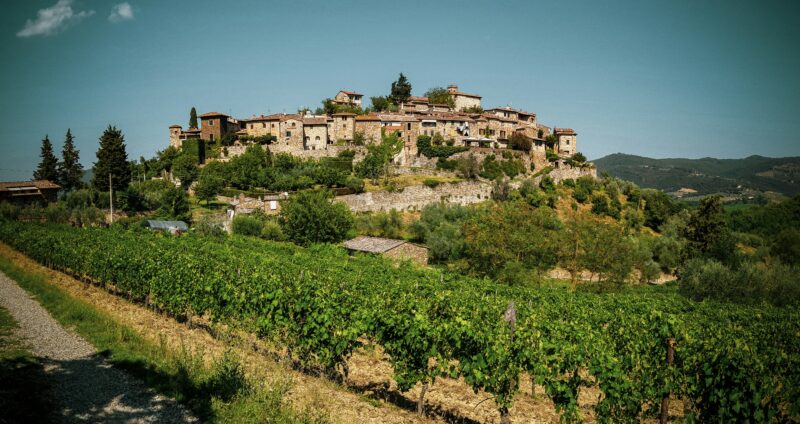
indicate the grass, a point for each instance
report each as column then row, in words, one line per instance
column 217, row 391
column 23, row 387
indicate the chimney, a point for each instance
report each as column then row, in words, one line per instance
column 452, row 88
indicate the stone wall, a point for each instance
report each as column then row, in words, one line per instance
column 566, row 172
column 417, row 197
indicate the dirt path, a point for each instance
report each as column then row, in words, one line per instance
column 84, row 387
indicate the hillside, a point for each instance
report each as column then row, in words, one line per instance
column 707, row 175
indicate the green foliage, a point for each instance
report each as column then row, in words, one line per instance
column 111, row 160
column 427, row 149
column 467, row 167
column 380, row 103
column 431, row 182
column 379, row 156
column 174, row 206
column 439, row 227
column 658, row 207
column 193, row 118
column 707, row 232
column 440, row 96
column 208, row 187
column 512, row 232
column 551, row 155
column 492, row 169
column 48, row 166
column 519, row 141
column 185, row 169
column 246, row 225
column 70, row 170
column 731, row 364
column 786, row 246
column 401, row 90
column 749, row 283
column 310, row 217
column 766, row 220
column 473, row 109
column 380, row 224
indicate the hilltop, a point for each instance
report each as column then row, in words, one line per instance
column 748, row 176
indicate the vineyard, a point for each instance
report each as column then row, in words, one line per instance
column 728, row 364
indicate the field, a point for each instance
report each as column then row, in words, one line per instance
column 323, row 306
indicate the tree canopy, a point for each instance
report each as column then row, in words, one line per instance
column 440, row 96
column 401, row 90
column 193, row 118
column 70, row 169
column 48, row 166
column 310, row 217
column 111, row 159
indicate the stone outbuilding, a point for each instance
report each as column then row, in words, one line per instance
column 390, row 248
column 567, row 141
column 345, row 97
column 463, row 100
column 26, row 192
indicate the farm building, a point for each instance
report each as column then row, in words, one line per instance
column 24, row 192
column 172, row 227
column 390, row 248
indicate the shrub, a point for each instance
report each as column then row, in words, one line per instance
column 271, row 230
column 310, row 217
column 354, row 183
column 750, row 283
column 431, row 182
column 245, row 225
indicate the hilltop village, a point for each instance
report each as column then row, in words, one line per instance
column 462, row 121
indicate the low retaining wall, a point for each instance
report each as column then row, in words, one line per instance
column 417, row 197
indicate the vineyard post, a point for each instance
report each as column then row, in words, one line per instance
column 111, row 197
column 665, row 400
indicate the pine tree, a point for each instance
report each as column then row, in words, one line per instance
column 401, row 90
column 48, row 167
column 70, row 169
column 193, row 118
column 111, row 159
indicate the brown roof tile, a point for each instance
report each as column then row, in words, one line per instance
column 212, row 114
column 40, row 184
column 372, row 244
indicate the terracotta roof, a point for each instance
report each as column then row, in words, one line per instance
column 344, row 114
column 350, row 93
column 510, row 109
column 564, row 131
column 212, row 114
column 175, row 126
column 40, row 184
column 397, row 118
column 459, row 93
column 372, row 244
column 447, row 117
column 417, row 99
column 368, row 117
column 192, row 130
column 498, row 118
column 315, row 121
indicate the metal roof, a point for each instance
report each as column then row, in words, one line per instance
column 167, row 225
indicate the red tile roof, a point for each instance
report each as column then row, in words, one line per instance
column 175, row 126
column 315, row 121
column 212, row 115
column 368, row 117
column 564, row 131
column 511, row 109
column 40, row 184
column 350, row 93
column 459, row 93
column 344, row 114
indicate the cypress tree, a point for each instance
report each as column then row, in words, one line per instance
column 48, row 167
column 193, row 118
column 111, row 159
column 401, row 90
column 70, row 169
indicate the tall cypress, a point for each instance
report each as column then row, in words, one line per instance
column 193, row 118
column 70, row 169
column 48, row 167
column 111, row 159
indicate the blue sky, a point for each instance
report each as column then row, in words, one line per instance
column 660, row 79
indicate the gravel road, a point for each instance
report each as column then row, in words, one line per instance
column 84, row 387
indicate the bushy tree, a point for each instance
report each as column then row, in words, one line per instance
column 401, row 90
column 70, row 170
column 193, row 118
column 174, row 205
column 310, row 217
column 208, row 187
column 185, row 169
column 468, row 167
column 111, row 160
column 440, row 96
column 380, row 103
column 48, row 166
column 519, row 141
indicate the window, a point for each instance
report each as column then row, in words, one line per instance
column 288, row 133
column 408, row 126
column 567, row 142
column 264, row 125
column 480, row 131
column 294, row 124
column 316, row 138
column 210, row 123
column 272, row 125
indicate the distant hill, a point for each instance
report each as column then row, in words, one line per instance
column 750, row 175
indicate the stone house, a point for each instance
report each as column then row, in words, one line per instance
column 290, row 135
column 369, row 126
column 177, row 135
column 315, row 133
column 344, row 97
column 342, row 126
column 463, row 100
column 262, row 125
column 508, row 112
column 214, row 125
column 566, row 141
column 26, row 192
column 390, row 248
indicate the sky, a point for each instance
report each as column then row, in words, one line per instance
column 682, row 78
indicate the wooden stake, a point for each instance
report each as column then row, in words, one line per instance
column 665, row 400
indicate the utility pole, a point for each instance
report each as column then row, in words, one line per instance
column 111, row 197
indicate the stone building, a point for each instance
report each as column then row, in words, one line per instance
column 351, row 98
column 27, row 192
column 370, row 127
column 463, row 100
column 177, row 135
column 291, row 132
column 566, row 141
column 390, row 248
column 342, row 127
column 262, row 125
column 214, row 125
column 315, row 133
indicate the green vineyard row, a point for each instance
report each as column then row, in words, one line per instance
column 731, row 364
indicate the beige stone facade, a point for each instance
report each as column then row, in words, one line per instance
column 463, row 100
column 345, row 97
column 342, row 127
column 315, row 132
column 567, row 141
column 214, row 125
column 369, row 126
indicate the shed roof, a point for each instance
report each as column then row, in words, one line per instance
column 40, row 184
column 167, row 225
column 212, row 114
column 373, row 244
